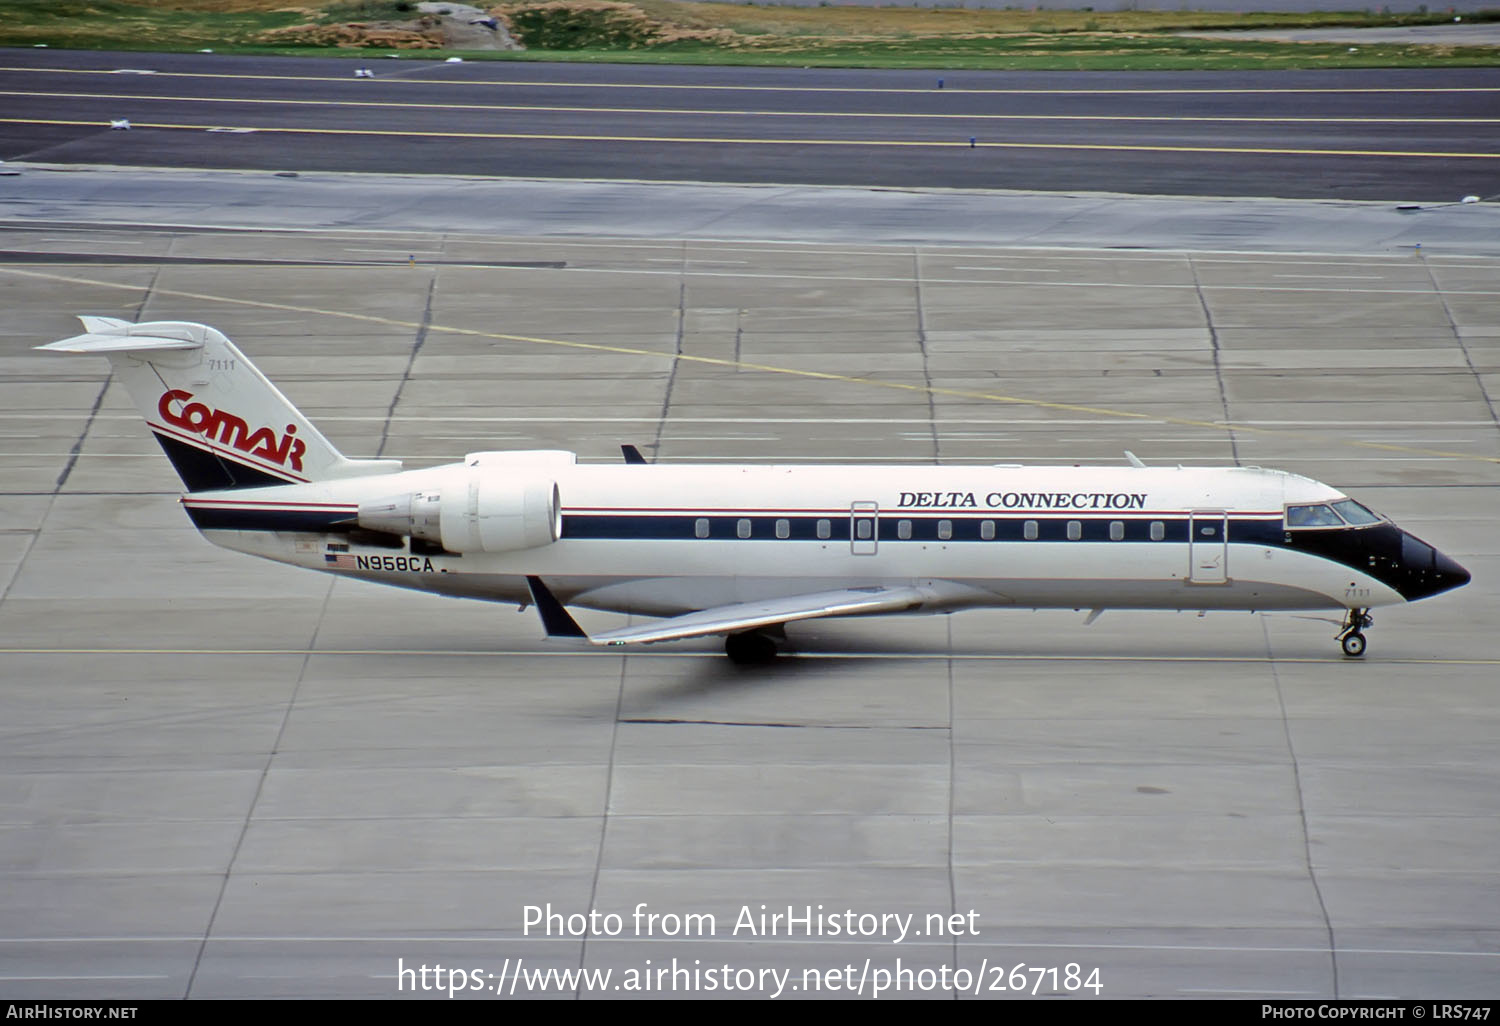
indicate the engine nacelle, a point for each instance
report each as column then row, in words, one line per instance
column 490, row 512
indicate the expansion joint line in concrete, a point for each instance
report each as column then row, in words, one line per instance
column 677, row 355
column 411, row 361
column 76, row 450
column 260, row 786
column 1458, row 336
column 916, row 278
column 1307, row 858
column 609, row 786
column 1213, row 338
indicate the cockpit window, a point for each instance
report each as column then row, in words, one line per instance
column 1317, row 515
column 1354, row 513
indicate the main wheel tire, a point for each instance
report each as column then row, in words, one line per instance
column 749, row 649
column 1353, row 644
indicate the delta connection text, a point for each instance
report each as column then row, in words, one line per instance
column 751, row 921
column 1022, row 500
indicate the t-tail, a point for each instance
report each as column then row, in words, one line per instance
column 221, row 422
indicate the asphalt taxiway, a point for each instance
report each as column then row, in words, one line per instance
column 1372, row 134
column 227, row 778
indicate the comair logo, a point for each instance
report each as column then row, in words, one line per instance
column 227, row 429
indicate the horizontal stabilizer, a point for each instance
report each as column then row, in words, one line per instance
column 744, row 616
column 104, row 344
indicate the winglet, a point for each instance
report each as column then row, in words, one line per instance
column 632, row 454
column 556, row 619
column 1135, row 461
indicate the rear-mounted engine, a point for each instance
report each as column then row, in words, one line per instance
column 486, row 512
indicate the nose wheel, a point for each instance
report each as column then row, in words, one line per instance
column 1351, row 637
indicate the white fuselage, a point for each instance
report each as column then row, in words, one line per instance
column 665, row 540
column 742, row 550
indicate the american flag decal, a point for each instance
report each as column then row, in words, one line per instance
column 341, row 560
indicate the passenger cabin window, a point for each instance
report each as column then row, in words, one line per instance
column 987, row 530
column 903, row 529
column 1075, row 530
column 862, row 529
column 825, row 529
column 1158, row 530
column 700, row 527
column 945, row 530
column 1029, row 530
column 783, row 528
column 1117, row 530
column 742, row 527
column 1316, row 515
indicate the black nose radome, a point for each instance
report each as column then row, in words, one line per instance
column 1426, row 571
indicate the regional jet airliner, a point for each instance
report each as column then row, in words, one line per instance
column 740, row 551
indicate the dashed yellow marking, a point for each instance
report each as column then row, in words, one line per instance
column 729, row 112
column 731, row 140
column 707, row 87
column 600, row 347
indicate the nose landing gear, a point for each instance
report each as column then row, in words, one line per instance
column 1351, row 637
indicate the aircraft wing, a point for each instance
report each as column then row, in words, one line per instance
column 744, row 616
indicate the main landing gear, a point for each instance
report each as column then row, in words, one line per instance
column 749, row 648
column 1351, row 637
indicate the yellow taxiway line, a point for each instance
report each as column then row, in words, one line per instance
column 708, row 87
column 729, row 112
column 730, row 140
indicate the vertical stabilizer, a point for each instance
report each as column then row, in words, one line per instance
column 218, row 418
